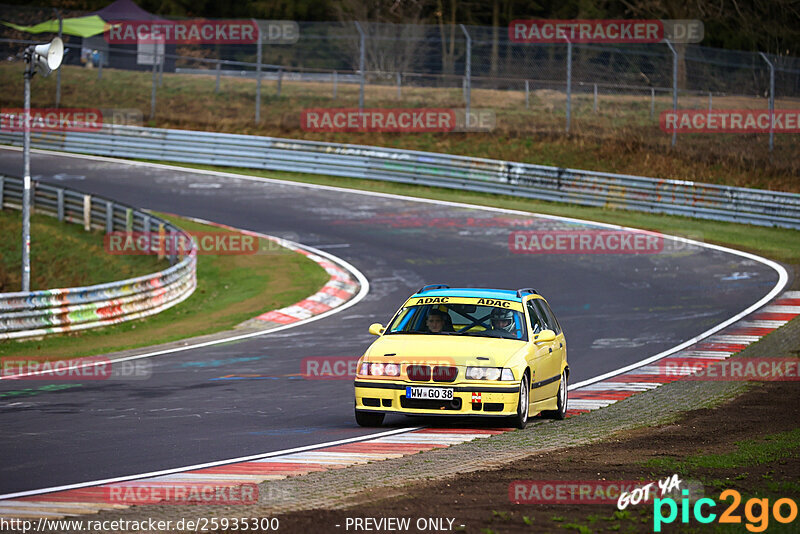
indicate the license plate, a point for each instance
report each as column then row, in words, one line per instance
column 429, row 393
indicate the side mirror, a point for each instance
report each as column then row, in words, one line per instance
column 376, row 329
column 544, row 336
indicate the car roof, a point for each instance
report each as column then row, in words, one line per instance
column 472, row 292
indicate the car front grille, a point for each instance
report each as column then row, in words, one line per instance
column 419, row 373
column 443, row 373
column 430, row 404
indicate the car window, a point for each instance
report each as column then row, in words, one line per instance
column 537, row 323
column 547, row 315
column 551, row 317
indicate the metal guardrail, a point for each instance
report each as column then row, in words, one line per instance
column 674, row 197
column 37, row 313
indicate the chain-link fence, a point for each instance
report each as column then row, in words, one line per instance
column 566, row 87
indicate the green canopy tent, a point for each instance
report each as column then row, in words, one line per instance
column 78, row 26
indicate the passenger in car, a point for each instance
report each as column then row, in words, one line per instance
column 438, row 321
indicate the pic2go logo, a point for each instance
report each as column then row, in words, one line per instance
column 756, row 511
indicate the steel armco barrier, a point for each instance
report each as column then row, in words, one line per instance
column 674, row 197
column 48, row 311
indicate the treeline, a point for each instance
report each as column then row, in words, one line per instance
column 754, row 25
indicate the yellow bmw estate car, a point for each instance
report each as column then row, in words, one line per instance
column 458, row 352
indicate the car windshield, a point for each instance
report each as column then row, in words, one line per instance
column 460, row 320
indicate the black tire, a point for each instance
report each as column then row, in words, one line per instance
column 563, row 397
column 523, row 404
column 369, row 418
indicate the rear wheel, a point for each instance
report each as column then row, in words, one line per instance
column 561, row 411
column 521, row 419
column 369, row 418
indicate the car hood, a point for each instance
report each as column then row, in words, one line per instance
column 453, row 350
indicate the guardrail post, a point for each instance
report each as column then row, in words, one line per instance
column 2, row 185
column 109, row 217
column 399, row 86
column 219, row 72
column 280, row 80
column 594, row 106
column 129, row 220
column 258, row 77
column 467, row 76
column 674, row 86
column 771, row 100
column 161, row 235
column 59, row 204
column 335, row 82
column 361, row 64
column 146, row 226
column 527, row 95
column 87, row 212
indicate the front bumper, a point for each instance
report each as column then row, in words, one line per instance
column 497, row 399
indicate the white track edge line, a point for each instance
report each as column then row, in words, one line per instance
column 202, row 466
column 783, row 276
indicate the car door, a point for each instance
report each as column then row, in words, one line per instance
column 548, row 372
column 544, row 356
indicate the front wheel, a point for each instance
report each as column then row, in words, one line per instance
column 521, row 419
column 369, row 418
column 561, row 411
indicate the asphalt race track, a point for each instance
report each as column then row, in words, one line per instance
column 616, row 309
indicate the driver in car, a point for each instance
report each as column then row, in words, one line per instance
column 502, row 320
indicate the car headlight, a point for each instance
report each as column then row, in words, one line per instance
column 379, row 369
column 489, row 373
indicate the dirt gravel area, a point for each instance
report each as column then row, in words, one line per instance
column 481, row 502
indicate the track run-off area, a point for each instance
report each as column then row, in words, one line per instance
column 247, row 397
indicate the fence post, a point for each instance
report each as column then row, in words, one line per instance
column 99, row 66
column 399, row 86
column 361, row 61
column 527, row 95
column 153, row 92
column 569, row 83
column 2, row 185
column 280, row 80
column 160, row 70
column 771, row 100
column 674, row 86
column 335, row 83
column 709, row 101
column 467, row 76
column 219, row 72
column 594, row 106
column 258, row 78
column 652, row 102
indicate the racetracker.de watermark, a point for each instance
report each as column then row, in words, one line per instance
column 730, row 121
column 87, row 368
column 182, row 494
column 67, row 119
column 584, row 242
column 731, row 370
column 605, row 31
column 178, row 243
column 406, row 120
column 201, row 31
